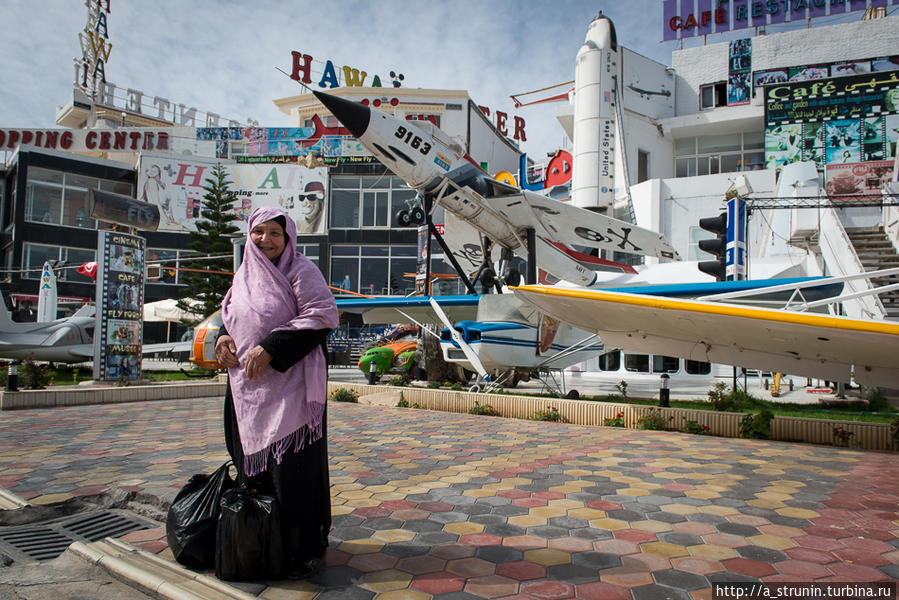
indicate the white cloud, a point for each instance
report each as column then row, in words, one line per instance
column 220, row 56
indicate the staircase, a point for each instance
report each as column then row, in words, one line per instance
column 876, row 251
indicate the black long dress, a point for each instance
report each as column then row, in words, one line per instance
column 300, row 482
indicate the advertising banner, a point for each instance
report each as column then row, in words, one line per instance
column 739, row 80
column 282, row 142
column 840, row 120
column 175, row 184
column 118, row 336
column 857, row 179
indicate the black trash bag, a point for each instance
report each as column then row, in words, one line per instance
column 249, row 545
column 190, row 526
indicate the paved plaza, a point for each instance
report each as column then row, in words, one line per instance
column 452, row 507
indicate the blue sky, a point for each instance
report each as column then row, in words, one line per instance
column 222, row 56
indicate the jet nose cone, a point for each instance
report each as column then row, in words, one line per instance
column 352, row 115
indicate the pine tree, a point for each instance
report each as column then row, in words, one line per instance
column 213, row 237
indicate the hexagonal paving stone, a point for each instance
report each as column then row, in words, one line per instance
column 524, row 542
column 634, row 535
column 441, row 582
column 377, row 561
column 608, row 524
column 471, row 567
column 385, row 581
column 499, row 554
column 452, row 551
column 463, row 528
column 696, row 565
column 627, row 577
column 712, row 552
column 521, row 570
column 664, row 549
column 418, row 565
column 360, row 546
column 393, row 535
column 547, row 557
column 620, row 547
column 746, row 566
column 655, row 591
column 596, row 560
column 681, row 580
column 547, row 590
column 403, row 595
column 570, row 544
column 600, row 590
column 491, row 586
column 526, row 521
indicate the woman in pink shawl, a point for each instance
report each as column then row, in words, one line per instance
column 277, row 316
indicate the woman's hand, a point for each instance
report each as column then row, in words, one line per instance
column 226, row 352
column 257, row 361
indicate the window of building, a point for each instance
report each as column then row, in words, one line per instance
column 373, row 270
column 35, row 255
column 712, row 95
column 62, row 198
column 665, row 364
column 642, row 165
column 728, row 153
column 696, row 233
column 368, row 201
column 611, row 361
column 696, row 367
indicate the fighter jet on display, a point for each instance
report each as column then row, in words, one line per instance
column 429, row 161
column 68, row 340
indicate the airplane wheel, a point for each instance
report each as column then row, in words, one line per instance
column 572, row 395
column 403, row 219
column 417, row 215
column 488, row 278
column 475, row 388
column 513, row 279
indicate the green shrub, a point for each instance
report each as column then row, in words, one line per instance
column 399, row 380
column 550, row 413
column 622, row 389
column 877, row 402
column 655, row 420
column 894, row 429
column 403, row 403
column 344, row 395
column 696, row 429
column 483, row 409
column 720, row 399
column 616, row 421
column 433, row 385
column 457, row 387
column 35, row 376
column 758, row 426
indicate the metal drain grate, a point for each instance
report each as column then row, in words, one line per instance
column 39, row 543
column 48, row 540
column 96, row 526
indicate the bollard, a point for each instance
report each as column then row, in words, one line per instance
column 12, row 378
column 663, row 392
column 372, row 373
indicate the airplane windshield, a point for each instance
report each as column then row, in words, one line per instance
column 506, row 308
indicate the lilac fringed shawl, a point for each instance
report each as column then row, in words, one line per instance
column 278, row 412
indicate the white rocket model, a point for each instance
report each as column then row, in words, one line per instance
column 595, row 81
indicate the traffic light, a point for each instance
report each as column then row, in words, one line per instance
column 718, row 246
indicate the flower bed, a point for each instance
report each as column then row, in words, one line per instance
column 865, row 436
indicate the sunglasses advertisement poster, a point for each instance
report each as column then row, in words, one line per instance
column 175, row 184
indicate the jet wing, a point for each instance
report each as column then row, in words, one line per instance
column 400, row 310
column 814, row 345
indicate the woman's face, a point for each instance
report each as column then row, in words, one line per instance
column 269, row 237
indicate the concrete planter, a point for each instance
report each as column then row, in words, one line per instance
column 74, row 395
column 867, row 436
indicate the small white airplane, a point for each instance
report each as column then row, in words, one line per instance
column 68, row 340
column 824, row 346
column 429, row 161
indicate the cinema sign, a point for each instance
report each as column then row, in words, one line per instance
column 132, row 139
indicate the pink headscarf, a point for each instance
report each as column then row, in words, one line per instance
column 278, row 412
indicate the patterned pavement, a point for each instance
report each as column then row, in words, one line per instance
column 452, row 507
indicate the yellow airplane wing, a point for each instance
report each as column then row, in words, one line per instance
column 813, row 345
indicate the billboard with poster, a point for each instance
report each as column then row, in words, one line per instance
column 843, row 120
column 175, row 184
column 120, row 289
column 857, row 179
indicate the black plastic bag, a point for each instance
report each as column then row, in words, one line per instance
column 193, row 518
column 249, row 545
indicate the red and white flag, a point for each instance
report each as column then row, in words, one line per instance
column 88, row 269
